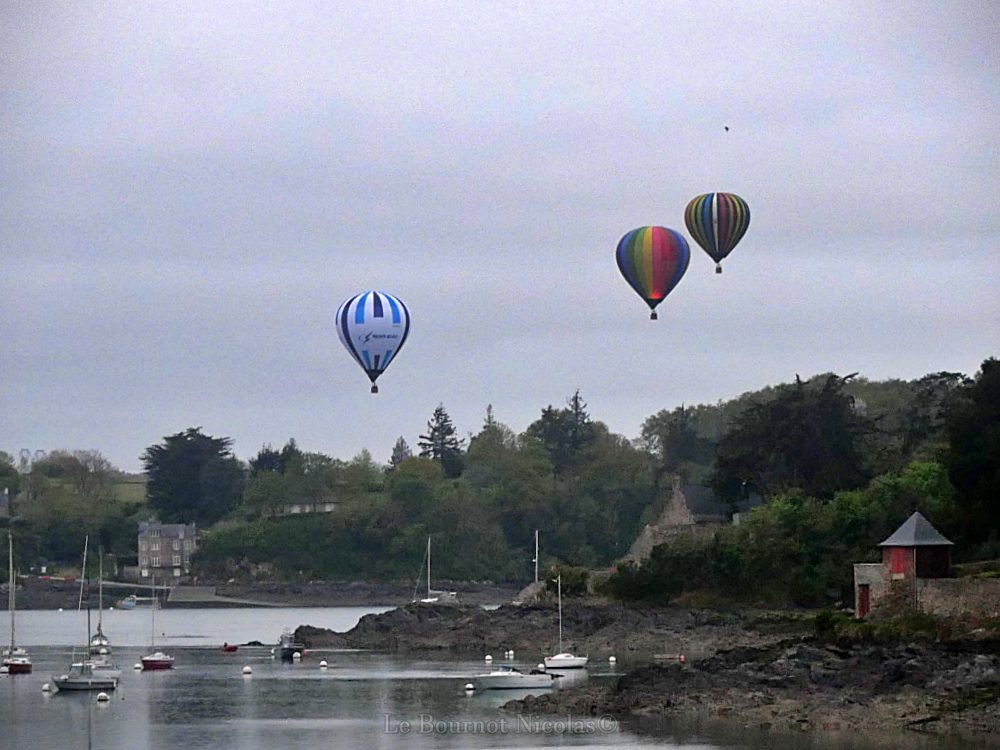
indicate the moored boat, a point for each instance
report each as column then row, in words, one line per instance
column 156, row 660
column 508, row 678
column 15, row 659
column 83, row 676
column 564, row 659
column 288, row 646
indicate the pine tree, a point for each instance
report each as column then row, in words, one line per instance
column 440, row 443
column 400, row 452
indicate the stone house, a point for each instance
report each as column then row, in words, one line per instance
column 916, row 573
column 165, row 549
column 690, row 510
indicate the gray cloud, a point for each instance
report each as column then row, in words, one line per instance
column 189, row 191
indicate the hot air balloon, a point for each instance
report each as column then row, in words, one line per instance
column 717, row 221
column 373, row 326
column 653, row 260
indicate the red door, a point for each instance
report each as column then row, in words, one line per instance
column 864, row 600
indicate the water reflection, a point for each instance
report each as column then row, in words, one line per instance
column 361, row 700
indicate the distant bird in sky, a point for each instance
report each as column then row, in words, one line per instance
column 726, row 127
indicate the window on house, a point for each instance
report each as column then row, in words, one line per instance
column 154, row 546
column 177, row 544
column 177, row 559
column 155, row 562
column 143, row 561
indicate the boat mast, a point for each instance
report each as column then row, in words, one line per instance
column 79, row 602
column 152, row 616
column 559, row 589
column 10, row 590
column 100, row 590
column 428, row 567
column 536, row 555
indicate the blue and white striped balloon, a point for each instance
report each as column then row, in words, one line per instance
column 373, row 326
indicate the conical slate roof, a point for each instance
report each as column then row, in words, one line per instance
column 916, row 531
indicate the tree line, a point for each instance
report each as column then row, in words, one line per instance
column 837, row 458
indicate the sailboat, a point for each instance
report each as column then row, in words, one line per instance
column 434, row 597
column 82, row 675
column 98, row 641
column 563, row 660
column 100, row 646
column 15, row 660
column 157, row 659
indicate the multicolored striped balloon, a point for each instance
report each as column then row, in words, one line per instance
column 373, row 326
column 653, row 260
column 717, row 221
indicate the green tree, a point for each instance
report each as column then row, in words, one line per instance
column 973, row 459
column 673, row 438
column 10, row 479
column 441, row 444
column 193, row 477
column 69, row 495
column 563, row 432
column 809, row 437
column 400, row 452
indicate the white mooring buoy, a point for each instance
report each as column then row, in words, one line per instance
column 247, row 670
column 296, row 656
column 103, row 697
column 541, row 667
column 469, row 687
column 323, row 664
column 612, row 660
column 46, row 688
column 488, row 658
column 137, row 666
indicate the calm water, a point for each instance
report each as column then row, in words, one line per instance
column 363, row 700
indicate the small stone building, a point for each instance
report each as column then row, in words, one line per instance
column 916, row 573
column 689, row 510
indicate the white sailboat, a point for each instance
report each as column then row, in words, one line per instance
column 156, row 660
column 98, row 641
column 15, row 660
column 100, row 646
column 508, row 678
column 434, row 597
column 564, row 659
column 82, row 674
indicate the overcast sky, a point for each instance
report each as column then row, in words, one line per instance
column 189, row 190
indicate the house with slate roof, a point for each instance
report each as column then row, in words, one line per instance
column 689, row 510
column 916, row 572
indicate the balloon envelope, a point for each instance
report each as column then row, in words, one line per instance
column 373, row 327
column 653, row 260
column 717, row 221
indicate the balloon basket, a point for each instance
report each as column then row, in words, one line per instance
column 653, row 315
column 374, row 388
column 718, row 268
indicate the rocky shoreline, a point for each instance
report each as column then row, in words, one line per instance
column 630, row 633
column 762, row 670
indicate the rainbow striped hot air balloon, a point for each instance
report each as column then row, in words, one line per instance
column 653, row 260
column 373, row 327
column 717, row 221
